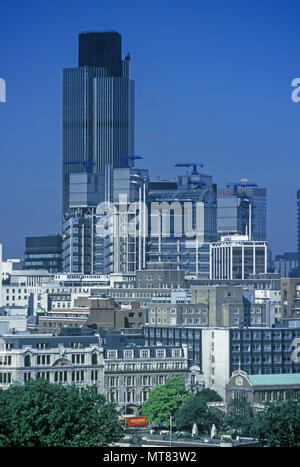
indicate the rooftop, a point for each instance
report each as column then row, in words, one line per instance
column 275, row 379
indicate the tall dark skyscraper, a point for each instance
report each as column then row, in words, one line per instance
column 98, row 109
column 102, row 50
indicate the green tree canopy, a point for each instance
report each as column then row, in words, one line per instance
column 240, row 415
column 209, row 395
column 278, row 425
column 42, row 414
column 195, row 410
column 164, row 400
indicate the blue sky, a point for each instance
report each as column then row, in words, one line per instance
column 213, row 83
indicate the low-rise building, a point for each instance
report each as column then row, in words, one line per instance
column 59, row 359
column 237, row 257
column 220, row 351
column 131, row 373
column 122, row 371
column 290, row 298
column 258, row 389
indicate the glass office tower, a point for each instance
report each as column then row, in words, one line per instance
column 177, row 208
column 242, row 210
column 98, row 109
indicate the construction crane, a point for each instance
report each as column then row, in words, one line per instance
column 190, row 164
column 243, row 183
column 126, row 159
column 86, row 164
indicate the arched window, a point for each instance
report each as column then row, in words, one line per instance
column 27, row 360
column 94, row 359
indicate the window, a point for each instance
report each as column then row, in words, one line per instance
column 176, row 353
column 112, row 354
column 145, row 353
column 235, row 336
column 76, row 358
column 128, row 353
column 27, row 360
column 5, row 378
column 43, row 359
column 94, row 375
column 246, row 335
column 160, row 353
column 5, row 360
column 267, row 335
column 94, row 359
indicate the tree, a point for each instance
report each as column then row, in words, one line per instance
column 43, row 414
column 195, row 410
column 278, row 425
column 209, row 395
column 164, row 400
column 240, row 415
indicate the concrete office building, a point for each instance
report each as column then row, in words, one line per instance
column 94, row 312
column 255, row 351
column 123, row 226
column 10, row 265
column 131, row 373
column 98, row 108
column 182, row 216
column 226, row 306
column 44, row 253
column 220, row 351
column 242, row 210
column 271, row 299
column 160, row 275
column 287, row 264
column 290, row 299
column 237, row 257
column 214, row 306
column 13, row 319
column 298, row 223
column 82, row 247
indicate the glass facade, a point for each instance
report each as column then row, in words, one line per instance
column 98, row 109
column 242, row 207
column 182, row 218
column 44, row 253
